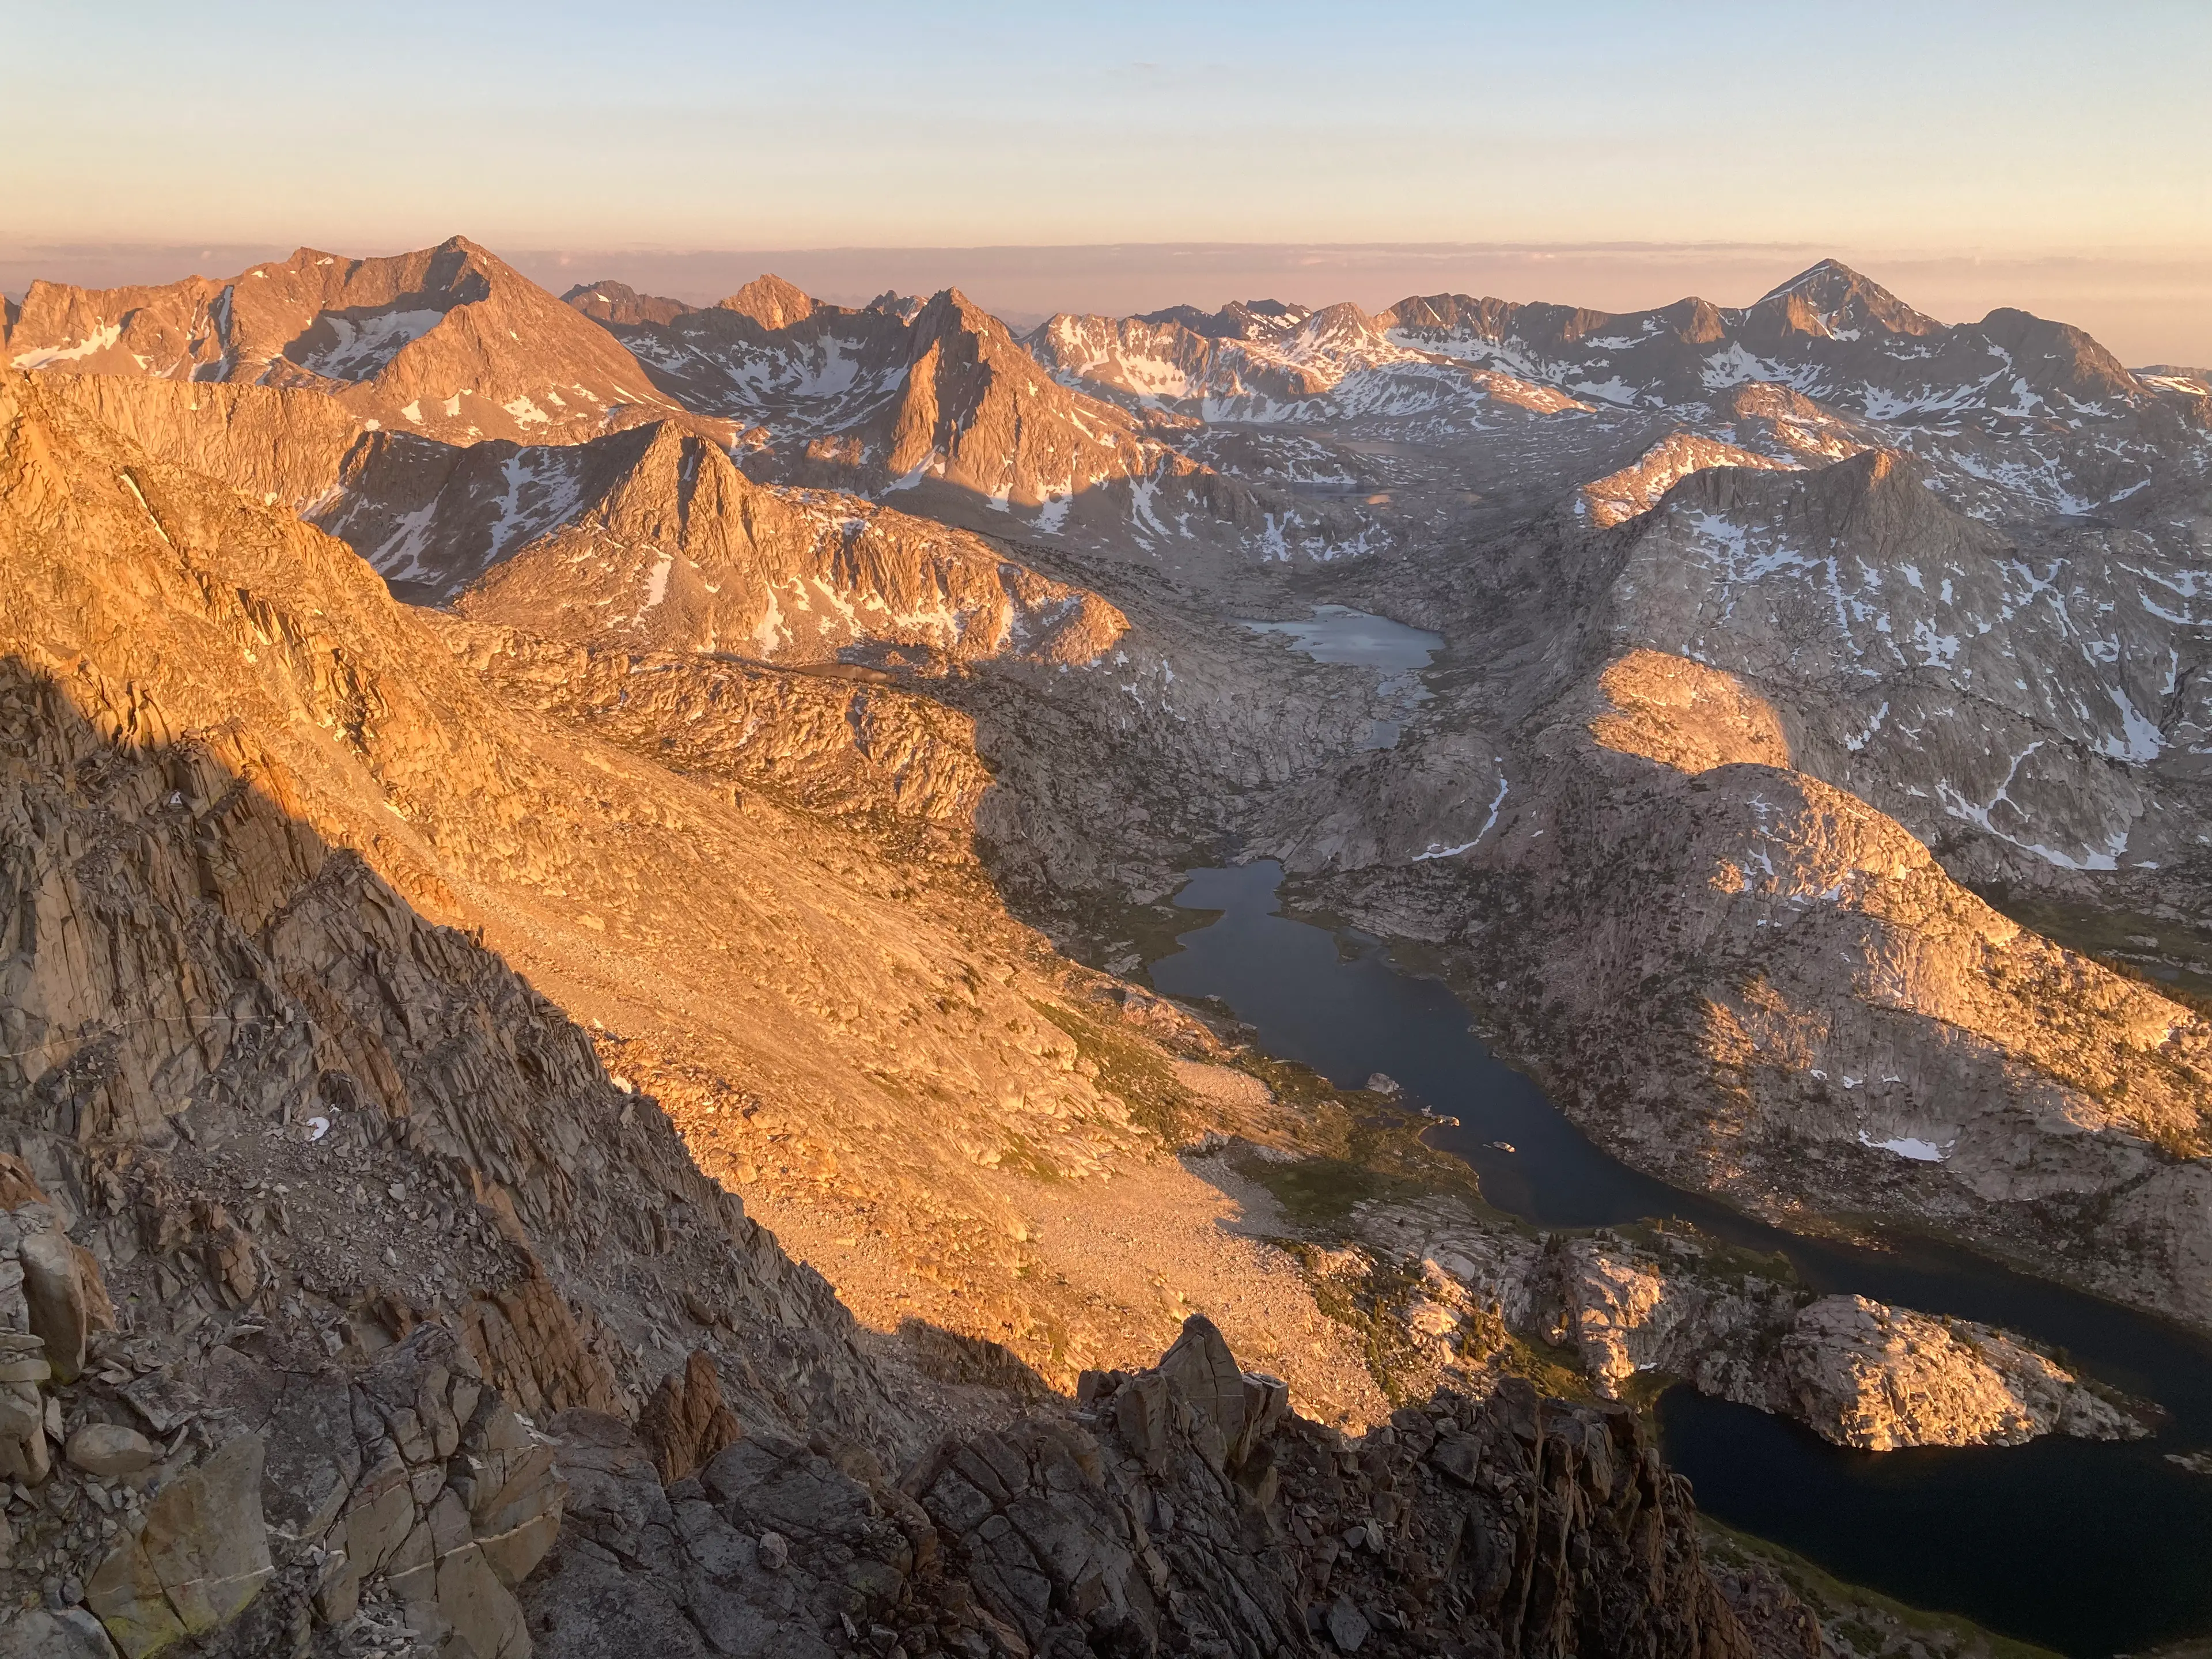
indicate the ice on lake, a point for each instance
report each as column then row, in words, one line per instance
column 1338, row 633
column 1911, row 1147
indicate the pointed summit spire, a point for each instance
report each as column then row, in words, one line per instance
column 1830, row 295
column 1825, row 276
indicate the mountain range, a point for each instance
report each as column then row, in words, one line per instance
column 582, row 1074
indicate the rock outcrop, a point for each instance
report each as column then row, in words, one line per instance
column 618, row 302
column 845, row 742
column 1671, row 1304
column 1856, row 1371
column 1884, row 1377
column 1636, row 489
column 294, row 1495
column 675, row 549
column 1181, row 1508
column 685, row 1421
column 280, row 445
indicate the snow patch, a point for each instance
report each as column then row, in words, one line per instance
column 98, row 341
column 656, row 584
column 363, row 345
column 1920, row 1151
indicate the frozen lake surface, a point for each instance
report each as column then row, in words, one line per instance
column 1338, row 633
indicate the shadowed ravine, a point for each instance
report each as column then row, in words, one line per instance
column 2089, row 1548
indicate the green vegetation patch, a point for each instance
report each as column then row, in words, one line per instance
column 1556, row 1373
column 1370, row 1299
column 1318, row 1192
column 1681, row 1244
column 2128, row 942
column 1018, row 1151
column 1130, row 1066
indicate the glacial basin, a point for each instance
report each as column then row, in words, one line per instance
column 1336, row 634
column 2086, row 1548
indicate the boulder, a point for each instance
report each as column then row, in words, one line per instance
column 313, row 1460
column 201, row 1556
column 23, row 1453
column 482, row 1610
column 108, row 1450
column 1347, row 1625
column 68, row 1302
column 1244, row 1407
column 37, row 1633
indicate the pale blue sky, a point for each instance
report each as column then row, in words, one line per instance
column 1912, row 132
column 2019, row 126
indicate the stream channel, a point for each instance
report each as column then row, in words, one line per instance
column 2089, row 1548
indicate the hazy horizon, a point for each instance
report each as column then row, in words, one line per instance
column 2146, row 308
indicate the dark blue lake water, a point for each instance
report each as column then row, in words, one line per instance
column 2089, row 1548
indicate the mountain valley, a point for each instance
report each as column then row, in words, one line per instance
column 594, row 887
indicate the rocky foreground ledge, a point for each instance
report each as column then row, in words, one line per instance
column 1185, row 1509
column 244, row 1507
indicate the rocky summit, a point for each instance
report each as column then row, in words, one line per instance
column 588, row 882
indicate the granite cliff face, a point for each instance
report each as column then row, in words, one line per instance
column 1184, row 1507
column 282, row 445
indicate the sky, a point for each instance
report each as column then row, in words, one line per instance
column 1604, row 153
